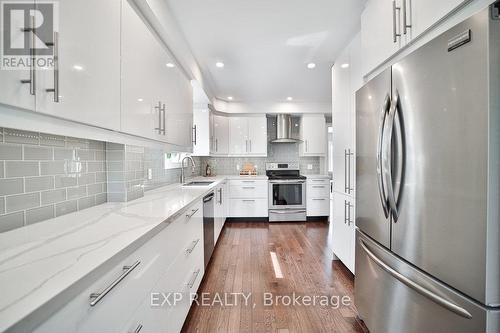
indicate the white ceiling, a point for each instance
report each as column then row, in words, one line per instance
column 266, row 44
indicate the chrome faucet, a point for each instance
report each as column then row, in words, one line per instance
column 183, row 178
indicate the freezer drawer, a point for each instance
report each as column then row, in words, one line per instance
column 393, row 297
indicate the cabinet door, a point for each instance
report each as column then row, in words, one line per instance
column 221, row 135
column 377, row 33
column 13, row 92
column 139, row 114
column 88, row 80
column 313, row 135
column 179, row 106
column 201, row 142
column 238, row 135
column 339, row 233
column 257, row 136
column 424, row 13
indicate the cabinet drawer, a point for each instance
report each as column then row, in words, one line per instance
column 249, row 190
column 131, row 286
column 317, row 181
column 248, row 208
column 318, row 207
column 248, row 182
column 318, row 191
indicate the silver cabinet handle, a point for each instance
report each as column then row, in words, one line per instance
column 406, row 26
column 55, row 45
column 319, row 199
column 193, row 278
column 415, row 286
column 32, row 79
column 345, row 171
column 395, row 33
column 349, row 206
column 216, row 145
column 287, row 211
column 248, row 200
column 250, row 145
column 194, row 135
column 193, row 211
column 317, row 180
column 248, row 181
column 345, row 211
column 349, row 155
column 137, row 329
column 97, row 297
column 248, row 187
column 163, row 112
column 193, row 245
column 318, row 186
column 158, row 108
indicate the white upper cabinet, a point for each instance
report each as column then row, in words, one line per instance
column 389, row 25
column 424, row 13
column 238, row 135
column 248, row 136
column 379, row 33
column 201, row 131
column 157, row 100
column 13, row 92
column 220, row 140
column 140, row 104
column 257, row 135
column 86, row 86
column 313, row 135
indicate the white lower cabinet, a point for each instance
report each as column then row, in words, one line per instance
column 171, row 261
column 248, row 198
column 220, row 209
column 344, row 229
column 318, row 197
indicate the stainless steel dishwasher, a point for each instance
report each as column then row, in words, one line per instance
column 208, row 226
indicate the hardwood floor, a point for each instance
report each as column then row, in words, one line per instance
column 242, row 263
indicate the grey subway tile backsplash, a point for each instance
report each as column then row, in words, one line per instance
column 38, row 153
column 66, row 207
column 18, row 202
column 40, row 214
column 11, row 221
column 11, row 186
column 21, row 168
column 11, row 152
column 33, row 184
column 53, row 196
column 86, row 202
column 40, row 173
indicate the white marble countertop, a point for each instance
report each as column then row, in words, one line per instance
column 317, row 176
column 42, row 266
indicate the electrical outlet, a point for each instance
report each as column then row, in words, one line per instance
column 238, row 167
column 150, row 174
column 309, row 167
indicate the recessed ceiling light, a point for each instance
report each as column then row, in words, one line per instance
column 344, row 65
column 140, row 100
column 170, row 65
column 289, row 98
column 311, row 65
column 219, row 64
column 78, row 68
column 230, row 98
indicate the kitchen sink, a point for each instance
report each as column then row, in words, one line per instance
column 198, row 183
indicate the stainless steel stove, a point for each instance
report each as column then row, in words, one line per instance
column 287, row 192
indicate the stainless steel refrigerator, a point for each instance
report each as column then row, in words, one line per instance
column 428, row 184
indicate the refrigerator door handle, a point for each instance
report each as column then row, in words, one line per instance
column 380, row 180
column 387, row 156
column 415, row 286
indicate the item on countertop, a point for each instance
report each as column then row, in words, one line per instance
column 208, row 171
column 248, row 169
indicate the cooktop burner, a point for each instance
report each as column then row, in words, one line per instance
column 279, row 171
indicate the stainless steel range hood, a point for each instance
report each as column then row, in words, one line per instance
column 284, row 129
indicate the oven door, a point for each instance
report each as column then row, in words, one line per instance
column 287, row 194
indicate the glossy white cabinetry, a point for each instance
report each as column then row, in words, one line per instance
column 86, row 87
column 318, row 196
column 248, row 198
column 170, row 261
column 201, row 131
column 220, row 209
column 343, row 234
column 313, row 135
column 389, row 25
column 220, row 133
column 13, row 91
column 248, row 136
